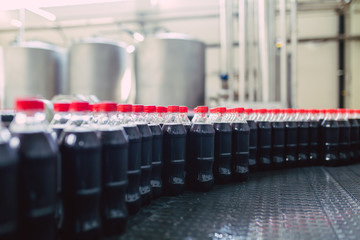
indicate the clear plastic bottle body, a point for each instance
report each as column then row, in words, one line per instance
column 264, row 140
column 278, row 140
column 291, row 138
column 80, row 150
column 59, row 121
column 303, row 137
column 146, row 153
column 154, row 121
column 114, row 165
column 345, row 151
column 174, row 153
column 314, row 137
column 253, row 139
column 222, row 146
column 199, row 170
column 38, row 174
column 8, row 184
column 330, row 139
column 355, row 140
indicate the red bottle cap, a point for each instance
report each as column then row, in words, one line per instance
column 331, row 111
column 61, row 107
column 357, row 110
column 23, row 104
column 350, row 111
column 248, row 110
column 201, row 109
column 289, row 110
column 125, row 108
column 239, row 110
column 138, row 108
column 95, row 107
column 173, row 109
column 183, row 109
column 276, row 111
column 213, row 110
column 262, row 110
column 150, row 109
column 221, row 110
column 107, row 106
column 79, row 106
column 300, row 111
column 161, row 109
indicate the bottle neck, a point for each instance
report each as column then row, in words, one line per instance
column 200, row 118
column 79, row 121
column 173, row 118
column 29, row 121
column 60, row 118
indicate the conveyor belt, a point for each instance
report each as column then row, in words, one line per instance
column 300, row 203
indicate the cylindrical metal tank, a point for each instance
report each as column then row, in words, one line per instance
column 33, row 69
column 96, row 67
column 170, row 69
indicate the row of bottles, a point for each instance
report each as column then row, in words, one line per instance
column 82, row 175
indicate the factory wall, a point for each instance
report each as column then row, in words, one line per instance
column 317, row 72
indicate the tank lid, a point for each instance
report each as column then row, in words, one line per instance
column 23, row 104
column 174, row 36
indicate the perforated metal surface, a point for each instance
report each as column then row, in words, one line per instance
column 301, row 203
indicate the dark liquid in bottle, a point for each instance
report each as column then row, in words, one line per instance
column 358, row 147
column 330, row 142
column 132, row 196
column 253, row 145
column 114, row 161
column 222, row 151
column 38, row 168
column 278, row 144
column 146, row 160
column 303, row 143
column 291, row 139
column 199, row 174
column 354, row 139
column 314, row 137
column 174, row 158
column 157, row 156
column 58, row 131
column 240, row 151
column 264, row 145
column 8, row 192
column 81, row 183
column 345, row 153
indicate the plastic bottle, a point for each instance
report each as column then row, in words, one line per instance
column 250, row 117
column 132, row 196
column 240, row 146
column 38, row 170
column 183, row 110
column 146, row 153
column 357, row 117
column 199, row 172
column 278, row 139
column 222, row 145
column 8, row 185
column 303, row 137
column 61, row 117
column 291, row 138
column 354, row 135
column 114, row 161
column 81, row 175
column 174, row 148
column 157, row 150
column 330, row 139
column 314, row 137
column 264, row 140
column 345, row 151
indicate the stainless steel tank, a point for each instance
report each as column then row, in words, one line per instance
column 33, row 69
column 170, row 69
column 96, row 67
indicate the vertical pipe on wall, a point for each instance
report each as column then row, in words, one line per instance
column 341, row 63
column 226, row 45
column 283, row 54
column 242, row 50
column 293, row 78
column 263, row 50
column 251, row 53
